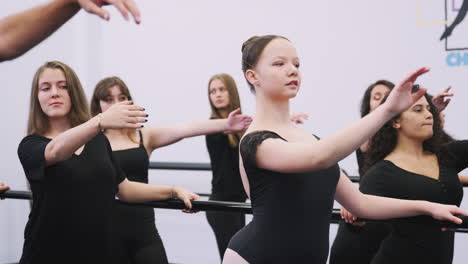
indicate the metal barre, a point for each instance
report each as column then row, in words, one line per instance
column 197, row 166
column 244, row 208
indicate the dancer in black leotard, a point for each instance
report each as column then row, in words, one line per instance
column 223, row 149
column 291, row 176
column 73, row 175
column 136, row 237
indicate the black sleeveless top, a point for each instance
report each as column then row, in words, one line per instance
column 226, row 183
column 134, row 162
column 292, row 211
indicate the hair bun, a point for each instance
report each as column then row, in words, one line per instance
column 247, row 42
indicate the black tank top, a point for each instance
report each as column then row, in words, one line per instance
column 292, row 211
column 134, row 162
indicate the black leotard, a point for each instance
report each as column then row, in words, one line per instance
column 136, row 238
column 292, row 211
column 226, row 185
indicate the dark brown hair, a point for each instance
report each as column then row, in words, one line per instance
column 365, row 102
column 101, row 92
column 252, row 50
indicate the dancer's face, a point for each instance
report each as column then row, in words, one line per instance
column 115, row 95
column 53, row 95
column 377, row 94
column 416, row 122
column 277, row 71
column 219, row 94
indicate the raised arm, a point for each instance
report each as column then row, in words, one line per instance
column 121, row 115
column 282, row 156
column 376, row 207
column 22, row 31
column 163, row 136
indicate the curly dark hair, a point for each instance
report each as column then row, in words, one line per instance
column 385, row 140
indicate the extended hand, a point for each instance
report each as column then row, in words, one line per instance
column 440, row 101
column 123, row 115
column 237, row 122
column 444, row 212
column 186, row 196
column 124, row 7
column 350, row 218
column 401, row 98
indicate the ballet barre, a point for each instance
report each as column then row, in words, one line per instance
column 246, row 208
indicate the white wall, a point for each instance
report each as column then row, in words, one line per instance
column 167, row 60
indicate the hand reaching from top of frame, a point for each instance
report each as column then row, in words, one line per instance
column 123, row 115
column 124, row 6
column 401, row 98
column 440, row 101
column 237, row 122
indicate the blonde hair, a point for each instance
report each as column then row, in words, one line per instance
column 234, row 103
column 38, row 121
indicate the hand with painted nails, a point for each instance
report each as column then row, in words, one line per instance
column 123, row 115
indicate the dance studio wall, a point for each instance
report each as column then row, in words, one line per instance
column 167, row 60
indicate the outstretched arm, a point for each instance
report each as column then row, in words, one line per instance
column 282, row 156
column 130, row 191
column 376, row 207
column 121, row 115
column 163, row 136
column 22, row 31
